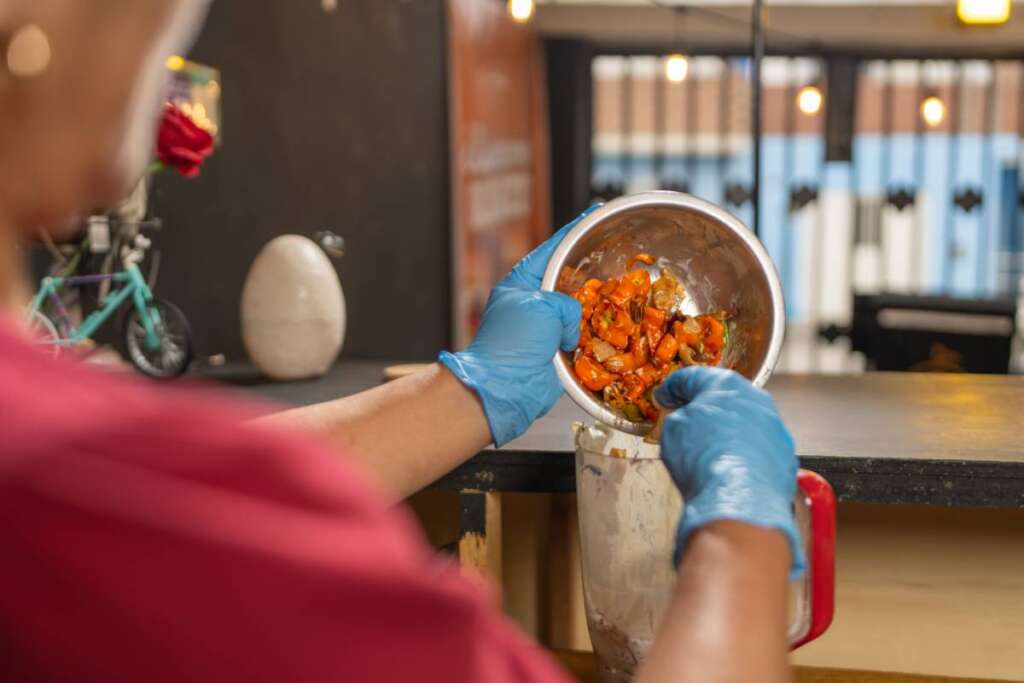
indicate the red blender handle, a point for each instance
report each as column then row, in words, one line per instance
column 821, row 560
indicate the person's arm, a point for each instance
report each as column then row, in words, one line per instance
column 732, row 458
column 407, row 433
column 727, row 620
column 412, row 431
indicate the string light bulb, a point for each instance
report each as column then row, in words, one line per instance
column 809, row 100
column 983, row 11
column 175, row 63
column 933, row 111
column 28, row 53
column 521, row 10
column 676, row 68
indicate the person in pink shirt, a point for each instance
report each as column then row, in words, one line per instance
column 151, row 533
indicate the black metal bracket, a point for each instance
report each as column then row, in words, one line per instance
column 968, row 199
column 802, row 195
column 832, row 332
column 901, row 197
column 607, row 191
column 676, row 186
column 737, row 194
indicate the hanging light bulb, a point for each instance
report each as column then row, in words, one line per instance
column 933, row 111
column 809, row 100
column 983, row 11
column 521, row 10
column 676, row 68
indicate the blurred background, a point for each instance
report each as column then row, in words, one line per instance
column 441, row 140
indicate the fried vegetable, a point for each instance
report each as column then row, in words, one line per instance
column 632, row 336
column 633, row 412
column 620, row 363
column 666, row 292
column 615, row 395
column 667, row 349
column 648, row 374
column 713, row 331
column 600, row 350
column 641, row 350
column 641, row 281
column 688, row 332
column 593, row 376
column 635, row 387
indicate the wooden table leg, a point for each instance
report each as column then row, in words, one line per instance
column 480, row 533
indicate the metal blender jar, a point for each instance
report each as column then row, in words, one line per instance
column 628, row 505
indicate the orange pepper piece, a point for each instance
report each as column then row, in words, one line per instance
column 616, row 338
column 654, row 326
column 641, row 349
column 648, row 374
column 641, row 281
column 689, row 333
column 624, row 322
column 654, row 317
column 714, row 334
column 593, row 376
column 585, row 336
column 667, row 349
column 623, row 292
column 635, row 387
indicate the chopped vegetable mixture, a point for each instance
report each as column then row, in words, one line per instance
column 632, row 336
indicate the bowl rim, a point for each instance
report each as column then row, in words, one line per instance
column 654, row 199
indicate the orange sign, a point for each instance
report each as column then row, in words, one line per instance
column 499, row 153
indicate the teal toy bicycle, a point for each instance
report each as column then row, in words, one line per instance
column 155, row 335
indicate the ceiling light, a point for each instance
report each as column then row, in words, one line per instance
column 983, row 11
column 676, row 68
column 521, row 10
column 809, row 100
column 933, row 111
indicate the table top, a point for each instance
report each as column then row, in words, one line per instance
column 898, row 438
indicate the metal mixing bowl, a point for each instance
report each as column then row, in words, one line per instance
column 717, row 259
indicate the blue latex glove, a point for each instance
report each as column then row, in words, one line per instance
column 509, row 364
column 729, row 453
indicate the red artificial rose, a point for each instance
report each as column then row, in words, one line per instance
column 182, row 144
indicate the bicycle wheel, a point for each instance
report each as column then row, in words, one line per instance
column 43, row 332
column 174, row 351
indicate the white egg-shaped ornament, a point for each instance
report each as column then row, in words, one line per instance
column 293, row 310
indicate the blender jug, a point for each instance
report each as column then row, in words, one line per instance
column 628, row 512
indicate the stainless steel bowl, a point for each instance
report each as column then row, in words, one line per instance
column 718, row 260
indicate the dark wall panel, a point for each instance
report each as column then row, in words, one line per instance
column 570, row 98
column 330, row 120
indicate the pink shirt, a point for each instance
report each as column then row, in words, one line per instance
column 147, row 534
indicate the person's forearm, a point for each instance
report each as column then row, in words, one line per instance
column 727, row 620
column 407, row 433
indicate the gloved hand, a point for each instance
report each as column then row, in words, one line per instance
column 729, row 453
column 509, row 364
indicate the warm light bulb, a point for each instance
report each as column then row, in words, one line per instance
column 676, row 68
column 28, row 53
column 175, row 63
column 983, row 11
column 521, row 10
column 933, row 111
column 809, row 100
